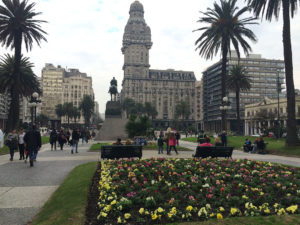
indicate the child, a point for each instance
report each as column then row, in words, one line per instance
column 160, row 144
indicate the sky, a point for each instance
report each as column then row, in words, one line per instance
column 87, row 35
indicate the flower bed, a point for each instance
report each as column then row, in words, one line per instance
column 162, row 190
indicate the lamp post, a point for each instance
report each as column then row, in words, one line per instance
column 33, row 103
column 278, row 107
column 225, row 106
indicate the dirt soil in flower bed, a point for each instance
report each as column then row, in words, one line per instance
column 92, row 209
column 162, row 191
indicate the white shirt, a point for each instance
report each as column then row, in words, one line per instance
column 21, row 138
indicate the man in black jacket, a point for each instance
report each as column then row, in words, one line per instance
column 33, row 143
column 75, row 140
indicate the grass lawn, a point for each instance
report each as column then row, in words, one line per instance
column 5, row 149
column 276, row 147
column 151, row 146
column 67, row 204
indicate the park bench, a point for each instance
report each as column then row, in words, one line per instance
column 120, row 151
column 214, row 152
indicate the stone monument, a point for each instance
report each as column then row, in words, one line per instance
column 114, row 124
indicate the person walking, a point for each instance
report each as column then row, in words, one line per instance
column 68, row 135
column 21, row 144
column 53, row 139
column 172, row 143
column 75, row 140
column 83, row 136
column 62, row 139
column 177, row 135
column 33, row 143
column 12, row 143
column 1, row 139
column 160, row 144
column 224, row 138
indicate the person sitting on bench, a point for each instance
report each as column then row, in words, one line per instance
column 118, row 142
column 261, row 145
column 206, row 142
column 218, row 142
column 247, row 145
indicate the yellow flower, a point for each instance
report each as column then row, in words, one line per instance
column 160, row 210
column 113, row 202
column 221, row 209
column 219, row 216
column 189, row 208
column 119, row 220
column 212, row 215
column 103, row 214
column 147, row 212
column 170, row 215
column 141, row 211
column 244, row 197
column 267, row 210
column 281, row 211
column 127, row 215
column 275, row 205
column 292, row 208
column 182, row 216
column 154, row 217
column 233, row 211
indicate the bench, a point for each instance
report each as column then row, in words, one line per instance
column 120, row 151
column 214, row 152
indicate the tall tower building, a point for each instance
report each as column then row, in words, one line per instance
column 163, row 88
column 136, row 44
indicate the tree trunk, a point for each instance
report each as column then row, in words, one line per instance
column 291, row 139
column 13, row 116
column 223, row 82
column 238, row 119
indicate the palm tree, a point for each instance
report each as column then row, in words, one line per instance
column 150, row 110
column 182, row 109
column 75, row 114
column 87, row 107
column 238, row 81
column 27, row 82
column 225, row 27
column 60, row 111
column 271, row 8
column 68, row 109
column 17, row 24
column 42, row 119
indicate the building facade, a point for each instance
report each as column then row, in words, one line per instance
column 52, row 89
column 267, row 113
column 163, row 88
column 199, row 105
column 60, row 86
column 265, row 74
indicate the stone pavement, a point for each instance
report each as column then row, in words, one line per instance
column 24, row 190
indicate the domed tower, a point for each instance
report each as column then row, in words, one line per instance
column 136, row 43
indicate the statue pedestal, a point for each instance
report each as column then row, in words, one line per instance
column 114, row 124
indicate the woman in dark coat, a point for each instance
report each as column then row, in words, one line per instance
column 62, row 139
column 53, row 139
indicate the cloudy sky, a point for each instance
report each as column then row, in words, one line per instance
column 88, row 35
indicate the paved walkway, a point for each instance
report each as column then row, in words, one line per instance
column 24, row 190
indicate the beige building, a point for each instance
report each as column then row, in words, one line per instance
column 264, row 114
column 60, row 86
column 199, row 105
column 163, row 88
column 52, row 89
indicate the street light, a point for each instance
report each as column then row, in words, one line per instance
column 33, row 103
column 278, row 107
column 225, row 106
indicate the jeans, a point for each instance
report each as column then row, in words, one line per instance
column 160, row 149
column 33, row 153
column 75, row 145
column 21, row 149
column 83, row 140
column 11, row 152
column 172, row 146
column 53, row 143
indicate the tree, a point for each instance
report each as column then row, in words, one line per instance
column 60, row 111
column 238, row 81
column 271, row 8
column 43, row 120
column 75, row 114
column 128, row 104
column 225, row 27
column 68, row 109
column 87, row 107
column 27, row 82
column 18, row 24
column 150, row 110
column 137, row 126
column 182, row 109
